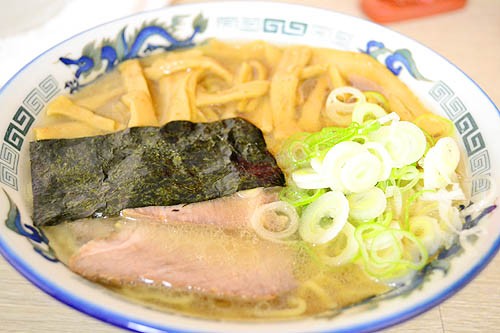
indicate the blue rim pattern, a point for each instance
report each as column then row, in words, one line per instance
column 138, row 325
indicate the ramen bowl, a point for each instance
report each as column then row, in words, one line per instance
column 76, row 62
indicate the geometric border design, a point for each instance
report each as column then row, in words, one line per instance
column 19, row 126
column 250, row 24
column 9, row 158
column 480, row 185
column 480, row 163
column 471, row 136
column 228, row 23
column 475, row 147
column 292, row 28
column 9, row 162
column 284, row 27
column 267, row 25
column 450, row 103
column 38, row 97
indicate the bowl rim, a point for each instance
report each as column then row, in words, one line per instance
column 140, row 325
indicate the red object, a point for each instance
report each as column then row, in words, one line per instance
column 384, row 11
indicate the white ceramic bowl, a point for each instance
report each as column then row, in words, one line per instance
column 439, row 84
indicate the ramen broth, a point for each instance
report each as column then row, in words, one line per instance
column 320, row 289
column 281, row 90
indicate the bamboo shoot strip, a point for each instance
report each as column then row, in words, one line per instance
column 181, row 162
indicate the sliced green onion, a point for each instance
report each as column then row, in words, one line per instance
column 367, row 111
column 361, row 172
column 275, row 221
column 377, row 241
column 440, row 163
column 411, row 240
column 409, row 185
column 452, row 193
column 300, row 149
column 336, row 159
column 385, row 218
column 316, row 164
column 319, row 143
column 406, row 177
column 371, row 267
column 344, row 248
column 392, row 260
column 368, row 127
column 350, row 167
column 385, row 247
column 396, row 254
column 391, row 117
column 377, row 98
column 343, row 100
column 396, row 201
column 384, row 166
column 368, row 205
column 405, row 142
column 294, row 153
column 299, row 197
column 408, row 172
column 308, row 178
column 381, row 153
column 427, row 230
column 323, row 219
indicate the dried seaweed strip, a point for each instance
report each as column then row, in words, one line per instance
column 181, row 162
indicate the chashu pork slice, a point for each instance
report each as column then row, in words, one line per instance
column 205, row 259
column 231, row 212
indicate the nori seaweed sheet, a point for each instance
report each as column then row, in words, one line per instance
column 181, row 162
